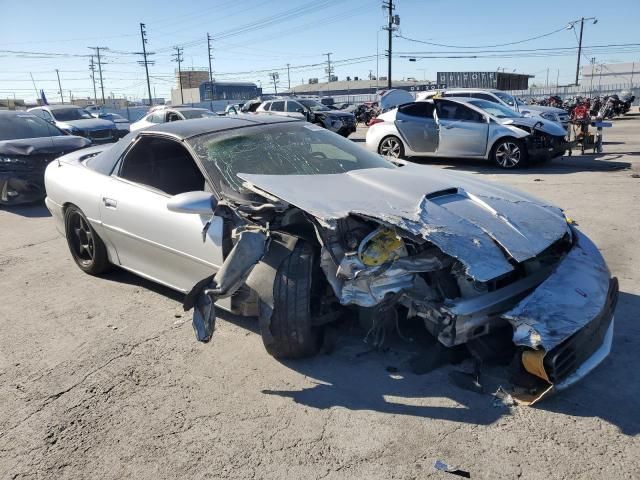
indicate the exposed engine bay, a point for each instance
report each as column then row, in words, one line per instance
column 462, row 263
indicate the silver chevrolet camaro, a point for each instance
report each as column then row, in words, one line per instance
column 281, row 219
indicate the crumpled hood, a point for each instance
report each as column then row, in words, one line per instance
column 337, row 113
column 484, row 225
column 547, row 126
column 89, row 124
column 37, row 146
column 543, row 108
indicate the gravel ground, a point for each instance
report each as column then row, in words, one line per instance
column 102, row 377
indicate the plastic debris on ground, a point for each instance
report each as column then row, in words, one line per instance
column 443, row 467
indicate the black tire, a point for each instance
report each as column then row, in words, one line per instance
column 86, row 247
column 291, row 331
column 391, row 146
column 509, row 153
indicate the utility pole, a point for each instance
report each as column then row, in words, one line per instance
column 593, row 62
column 92, row 67
column 34, row 85
column 60, row 86
column 558, row 78
column 97, row 49
column 178, row 58
column 210, row 73
column 275, row 77
column 289, row 78
column 145, row 62
column 547, row 84
column 572, row 25
column 329, row 68
column 393, row 21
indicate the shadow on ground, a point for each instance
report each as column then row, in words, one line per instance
column 356, row 377
column 36, row 210
column 603, row 162
column 344, row 379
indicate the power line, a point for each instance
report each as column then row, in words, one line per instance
column 482, row 46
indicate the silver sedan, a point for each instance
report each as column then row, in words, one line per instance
column 465, row 128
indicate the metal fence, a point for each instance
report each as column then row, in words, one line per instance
column 586, row 90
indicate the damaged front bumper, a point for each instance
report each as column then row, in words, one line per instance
column 542, row 147
column 565, row 325
column 20, row 189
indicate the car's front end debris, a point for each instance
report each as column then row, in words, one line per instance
column 466, row 258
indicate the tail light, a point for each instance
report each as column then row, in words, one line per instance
column 373, row 121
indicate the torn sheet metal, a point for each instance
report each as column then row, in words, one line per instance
column 355, row 283
column 466, row 218
column 573, row 295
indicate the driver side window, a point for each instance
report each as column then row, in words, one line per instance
column 163, row 165
column 173, row 117
column 448, row 110
column 293, row 107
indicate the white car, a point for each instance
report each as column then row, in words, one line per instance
column 166, row 115
column 502, row 98
column 465, row 128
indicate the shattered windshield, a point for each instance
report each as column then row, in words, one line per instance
column 292, row 148
column 314, row 106
column 70, row 114
column 495, row 109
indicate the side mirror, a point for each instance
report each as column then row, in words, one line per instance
column 300, row 110
column 198, row 203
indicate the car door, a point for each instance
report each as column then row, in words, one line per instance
column 277, row 108
column 417, row 126
column 295, row 109
column 164, row 246
column 463, row 131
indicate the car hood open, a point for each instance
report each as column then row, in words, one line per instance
column 546, row 126
column 486, row 226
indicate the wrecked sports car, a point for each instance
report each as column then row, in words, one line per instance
column 283, row 220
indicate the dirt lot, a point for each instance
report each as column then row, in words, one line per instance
column 102, row 377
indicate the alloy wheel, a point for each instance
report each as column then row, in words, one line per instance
column 508, row 154
column 390, row 147
column 82, row 241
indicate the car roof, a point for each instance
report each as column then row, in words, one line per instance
column 185, row 107
column 60, row 107
column 191, row 128
column 484, row 90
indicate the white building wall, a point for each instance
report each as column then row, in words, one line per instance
column 191, row 95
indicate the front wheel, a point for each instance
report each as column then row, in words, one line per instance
column 509, row 153
column 86, row 247
column 391, row 147
column 290, row 333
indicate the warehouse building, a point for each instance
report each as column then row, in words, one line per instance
column 610, row 74
column 357, row 87
column 498, row 80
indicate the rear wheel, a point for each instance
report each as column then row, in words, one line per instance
column 391, row 147
column 291, row 333
column 86, row 247
column 509, row 153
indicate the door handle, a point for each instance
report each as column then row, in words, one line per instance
column 109, row 202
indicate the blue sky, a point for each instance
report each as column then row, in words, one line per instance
column 252, row 37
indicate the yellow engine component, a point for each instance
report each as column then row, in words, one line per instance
column 381, row 246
